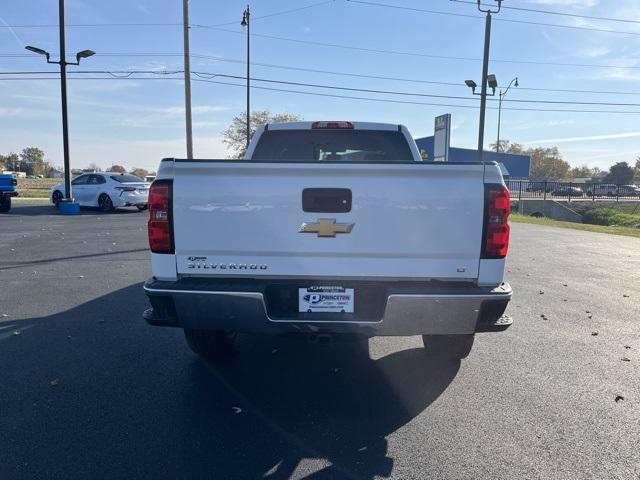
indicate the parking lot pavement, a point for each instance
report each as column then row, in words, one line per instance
column 88, row 390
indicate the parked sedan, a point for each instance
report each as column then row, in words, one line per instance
column 566, row 191
column 106, row 190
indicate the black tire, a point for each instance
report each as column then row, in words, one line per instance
column 5, row 204
column 141, row 207
column 452, row 347
column 105, row 204
column 56, row 198
column 210, row 344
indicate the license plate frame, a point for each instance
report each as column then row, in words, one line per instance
column 326, row 299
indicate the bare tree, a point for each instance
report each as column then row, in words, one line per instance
column 235, row 136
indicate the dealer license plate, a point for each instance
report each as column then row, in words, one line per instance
column 326, row 299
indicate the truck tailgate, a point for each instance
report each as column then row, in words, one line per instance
column 406, row 221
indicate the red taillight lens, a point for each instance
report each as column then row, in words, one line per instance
column 160, row 218
column 496, row 228
column 332, row 125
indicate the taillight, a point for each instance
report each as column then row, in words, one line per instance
column 332, row 125
column 160, row 218
column 126, row 189
column 496, row 229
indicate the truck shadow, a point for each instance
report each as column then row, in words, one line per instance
column 335, row 402
column 96, row 375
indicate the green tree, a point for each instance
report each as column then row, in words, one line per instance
column 32, row 158
column 546, row 162
column 506, row 146
column 10, row 161
column 620, row 173
column 235, row 136
column 636, row 172
column 582, row 172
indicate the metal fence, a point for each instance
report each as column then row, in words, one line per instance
column 572, row 191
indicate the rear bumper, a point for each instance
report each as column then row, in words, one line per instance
column 126, row 199
column 9, row 193
column 386, row 308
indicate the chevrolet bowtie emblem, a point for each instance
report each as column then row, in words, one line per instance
column 326, row 227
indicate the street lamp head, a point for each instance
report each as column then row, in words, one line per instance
column 84, row 54
column 245, row 17
column 516, row 84
column 492, row 81
column 37, row 50
column 471, row 84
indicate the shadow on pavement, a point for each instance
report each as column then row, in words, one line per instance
column 38, row 210
column 93, row 392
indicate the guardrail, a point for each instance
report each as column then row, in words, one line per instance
column 524, row 189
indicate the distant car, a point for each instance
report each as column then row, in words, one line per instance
column 106, row 190
column 567, row 191
column 627, row 190
column 611, row 190
column 539, row 187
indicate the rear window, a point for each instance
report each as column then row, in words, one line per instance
column 333, row 145
column 126, row 178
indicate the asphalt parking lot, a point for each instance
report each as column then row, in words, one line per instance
column 88, row 390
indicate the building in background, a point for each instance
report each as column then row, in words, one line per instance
column 513, row 166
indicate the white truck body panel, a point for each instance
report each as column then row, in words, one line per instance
column 421, row 221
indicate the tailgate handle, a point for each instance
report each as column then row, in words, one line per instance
column 326, row 200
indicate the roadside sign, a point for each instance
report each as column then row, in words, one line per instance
column 442, row 138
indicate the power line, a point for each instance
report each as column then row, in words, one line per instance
column 509, row 20
column 209, row 75
column 146, row 24
column 283, row 12
column 414, row 54
column 550, row 12
column 349, row 47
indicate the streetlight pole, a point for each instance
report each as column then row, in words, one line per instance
column 63, row 91
column 246, row 23
column 485, row 72
column 187, row 77
column 501, row 95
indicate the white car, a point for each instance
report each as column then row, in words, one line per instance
column 105, row 190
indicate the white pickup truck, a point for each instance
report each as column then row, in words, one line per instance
column 329, row 229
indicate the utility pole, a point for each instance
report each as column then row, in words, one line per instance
column 63, row 90
column 501, row 95
column 63, row 94
column 246, row 23
column 485, row 73
column 187, row 77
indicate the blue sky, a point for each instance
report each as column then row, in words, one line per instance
column 137, row 122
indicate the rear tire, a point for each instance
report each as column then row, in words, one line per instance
column 56, row 198
column 105, row 204
column 210, row 344
column 452, row 347
column 5, row 204
column 141, row 207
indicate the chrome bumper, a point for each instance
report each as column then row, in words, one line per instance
column 459, row 310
